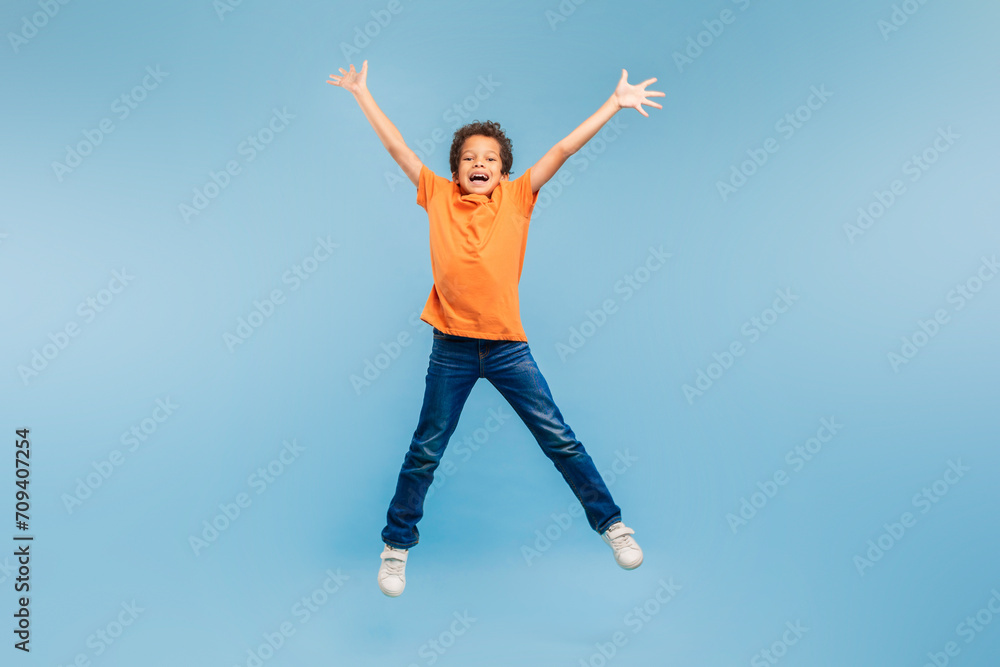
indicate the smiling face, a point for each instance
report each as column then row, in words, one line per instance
column 479, row 166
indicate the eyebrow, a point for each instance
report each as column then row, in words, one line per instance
column 469, row 150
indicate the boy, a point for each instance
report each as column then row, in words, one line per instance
column 478, row 232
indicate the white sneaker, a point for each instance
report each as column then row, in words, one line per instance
column 392, row 572
column 627, row 553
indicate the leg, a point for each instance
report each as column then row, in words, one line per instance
column 513, row 371
column 451, row 374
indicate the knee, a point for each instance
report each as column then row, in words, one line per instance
column 423, row 455
column 563, row 446
column 557, row 433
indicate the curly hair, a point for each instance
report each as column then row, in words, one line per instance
column 486, row 129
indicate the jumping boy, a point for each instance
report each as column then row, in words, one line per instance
column 478, row 233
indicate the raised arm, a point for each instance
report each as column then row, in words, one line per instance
column 626, row 96
column 356, row 84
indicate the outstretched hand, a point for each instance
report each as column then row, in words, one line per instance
column 630, row 96
column 353, row 82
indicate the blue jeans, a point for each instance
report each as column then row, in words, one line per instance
column 456, row 363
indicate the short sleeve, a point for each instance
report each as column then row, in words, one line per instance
column 523, row 195
column 425, row 186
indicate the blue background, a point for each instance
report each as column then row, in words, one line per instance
column 693, row 459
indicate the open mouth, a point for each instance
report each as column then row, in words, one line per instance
column 478, row 177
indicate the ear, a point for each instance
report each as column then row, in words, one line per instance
column 504, row 177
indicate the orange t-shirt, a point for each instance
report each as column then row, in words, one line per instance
column 477, row 251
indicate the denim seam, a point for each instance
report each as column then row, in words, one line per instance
column 599, row 529
column 396, row 546
column 576, row 492
column 615, row 519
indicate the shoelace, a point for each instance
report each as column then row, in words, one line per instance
column 622, row 541
column 394, row 566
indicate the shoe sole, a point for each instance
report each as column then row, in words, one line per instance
column 631, row 567
column 624, row 567
column 387, row 593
